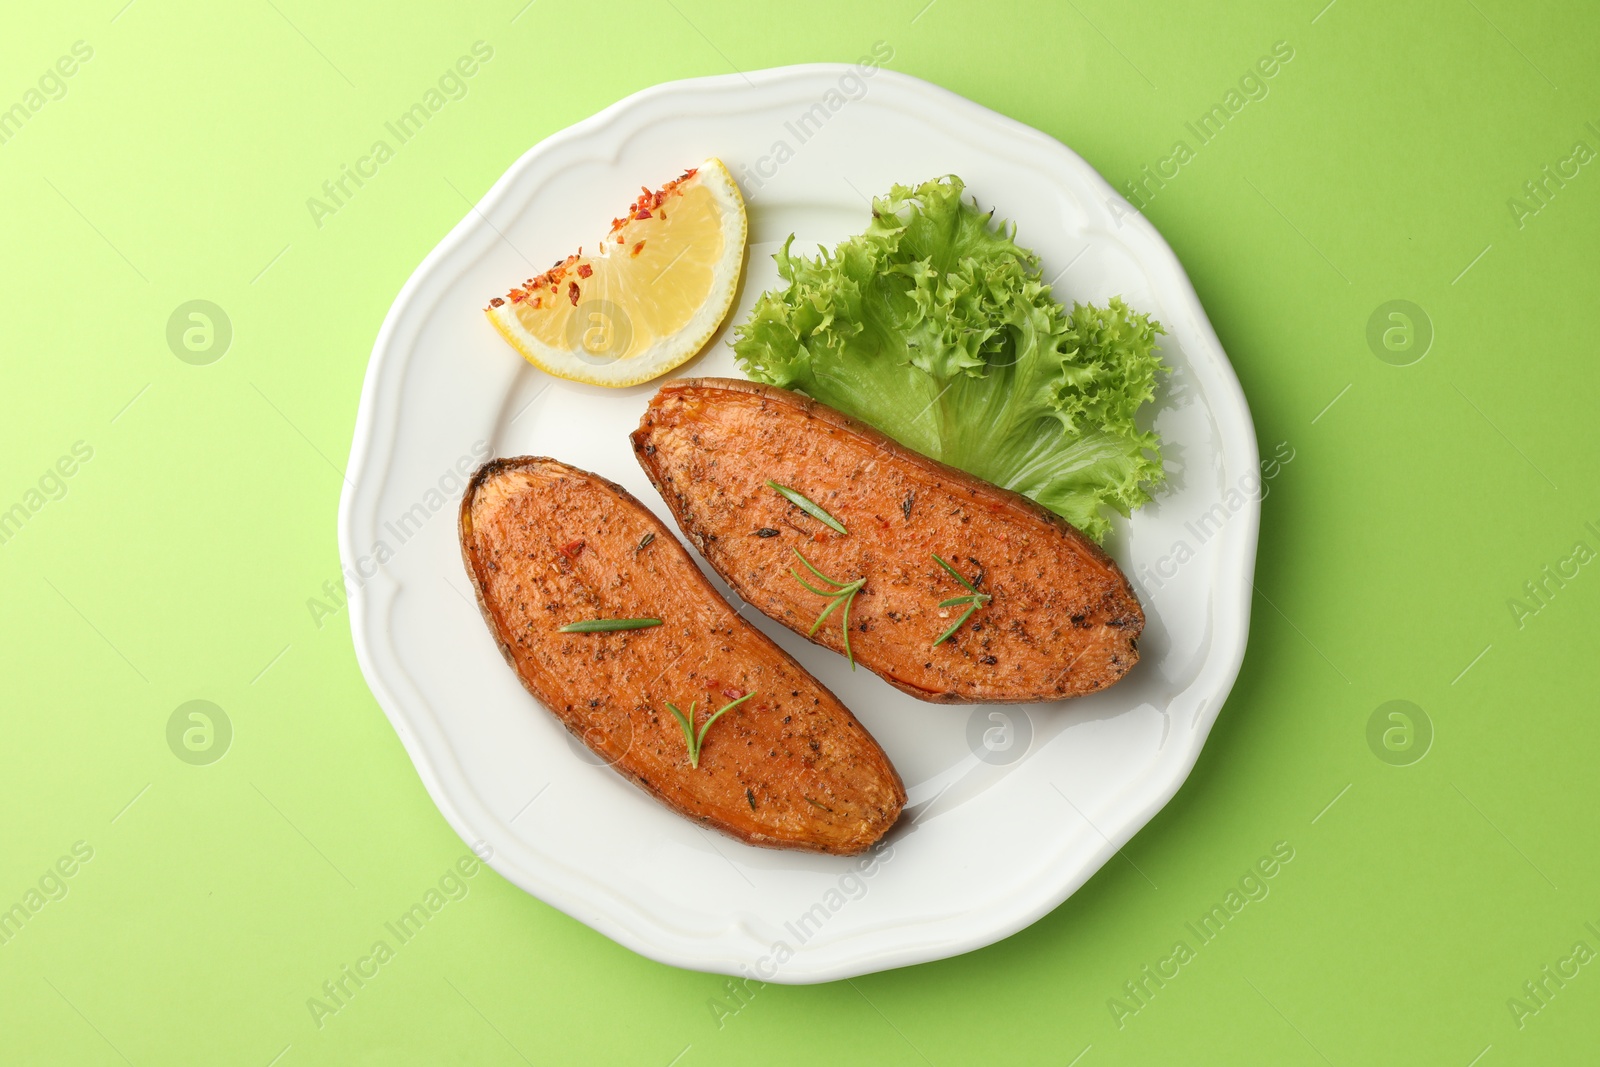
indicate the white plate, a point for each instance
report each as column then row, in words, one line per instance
column 1014, row 807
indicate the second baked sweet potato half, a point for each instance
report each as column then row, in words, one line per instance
column 811, row 515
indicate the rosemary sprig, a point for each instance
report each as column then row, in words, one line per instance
column 807, row 506
column 603, row 626
column 842, row 593
column 974, row 600
column 690, row 737
column 955, row 573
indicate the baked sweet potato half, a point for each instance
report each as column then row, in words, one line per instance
column 547, row 546
column 1052, row 616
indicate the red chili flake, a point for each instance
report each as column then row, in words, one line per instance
column 572, row 293
column 538, row 301
column 495, row 301
column 732, row 693
column 572, row 549
column 584, row 270
column 621, row 239
column 663, row 214
column 644, row 213
column 638, row 247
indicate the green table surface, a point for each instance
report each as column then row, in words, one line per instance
column 1431, row 541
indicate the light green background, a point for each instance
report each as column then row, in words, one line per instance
column 179, row 562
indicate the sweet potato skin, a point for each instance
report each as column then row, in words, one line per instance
column 1063, row 620
column 546, row 544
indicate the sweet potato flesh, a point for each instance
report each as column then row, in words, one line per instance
column 546, row 545
column 1062, row 619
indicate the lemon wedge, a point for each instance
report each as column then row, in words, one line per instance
column 649, row 299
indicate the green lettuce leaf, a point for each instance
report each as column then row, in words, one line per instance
column 935, row 327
